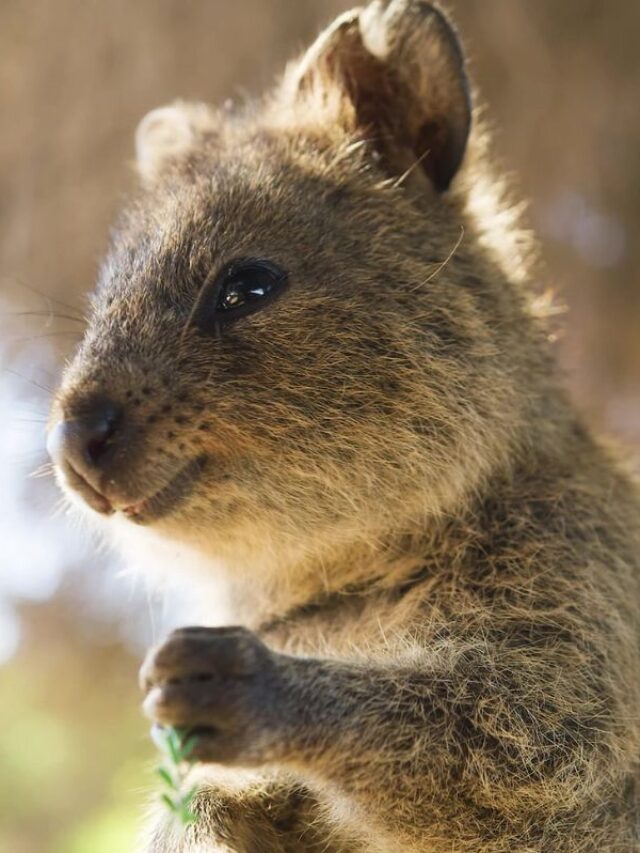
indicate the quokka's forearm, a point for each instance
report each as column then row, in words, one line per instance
column 473, row 735
column 435, row 741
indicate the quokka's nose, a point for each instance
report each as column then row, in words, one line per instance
column 85, row 442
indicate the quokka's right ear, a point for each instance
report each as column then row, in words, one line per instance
column 399, row 67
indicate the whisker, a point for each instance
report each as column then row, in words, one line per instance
column 27, row 338
column 444, row 263
column 48, row 299
column 62, row 505
column 194, row 308
column 30, row 381
column 45, row 470
column 403, row 177
column 48, row 314
column 28, row 411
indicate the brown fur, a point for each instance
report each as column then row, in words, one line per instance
column 441, row 560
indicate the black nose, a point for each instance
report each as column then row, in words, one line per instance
column 85, row 441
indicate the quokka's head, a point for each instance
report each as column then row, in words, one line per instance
column 297, row 334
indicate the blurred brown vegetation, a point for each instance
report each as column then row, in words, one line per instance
column 562, row 83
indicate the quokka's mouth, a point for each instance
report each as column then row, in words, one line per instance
column 91, row 496
column 169, row 497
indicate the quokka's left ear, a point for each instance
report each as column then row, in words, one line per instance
column 167, row 134
column 399, row 64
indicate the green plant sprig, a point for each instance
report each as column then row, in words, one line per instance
column 178, row 796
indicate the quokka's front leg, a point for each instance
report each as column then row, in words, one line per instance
column 462, row 743
column 271, row 813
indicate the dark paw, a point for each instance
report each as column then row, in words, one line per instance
column 219, row 684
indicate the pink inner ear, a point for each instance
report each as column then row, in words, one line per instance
column 417, row 44
column 402, row 68
column 442, row 149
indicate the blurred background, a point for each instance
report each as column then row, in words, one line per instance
column 562, row 81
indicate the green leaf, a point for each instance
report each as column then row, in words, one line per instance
column 169, row 803
column 187, row 817
column 187, row 799
column 166, row 777
column 178, row 746
column 174, row 745
column 187, row 747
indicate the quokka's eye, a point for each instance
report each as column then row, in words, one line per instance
column 242, row 287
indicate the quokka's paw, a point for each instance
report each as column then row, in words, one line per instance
column 222, row 685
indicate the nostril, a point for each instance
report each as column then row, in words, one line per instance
column 99, row 432
column 84, row 440
column 96, row 449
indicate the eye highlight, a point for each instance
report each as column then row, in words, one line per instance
column 242, row 287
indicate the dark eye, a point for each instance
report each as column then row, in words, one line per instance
column 242, row 287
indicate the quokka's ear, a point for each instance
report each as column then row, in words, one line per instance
column 400, row 65
column 166, row 134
